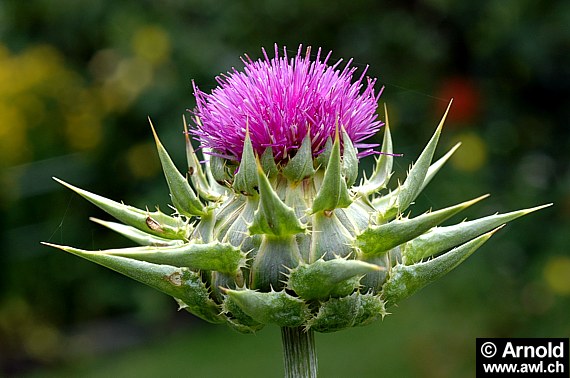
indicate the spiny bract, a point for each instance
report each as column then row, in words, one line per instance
column 286, row 238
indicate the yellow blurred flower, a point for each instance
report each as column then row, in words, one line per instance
column 557, row 274
column 472, row 155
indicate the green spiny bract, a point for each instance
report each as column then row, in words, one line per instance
column 291, row 243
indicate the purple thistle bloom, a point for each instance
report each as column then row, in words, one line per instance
column 280, row 100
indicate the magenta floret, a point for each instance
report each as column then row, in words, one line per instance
column 280, row 99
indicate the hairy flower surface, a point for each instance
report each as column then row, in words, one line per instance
column 280, row 100
column 271, row 227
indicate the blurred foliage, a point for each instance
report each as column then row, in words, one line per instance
column 79, row 78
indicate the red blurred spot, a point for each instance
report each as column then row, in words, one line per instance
column 465, row 96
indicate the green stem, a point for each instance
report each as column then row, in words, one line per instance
column 299, row 352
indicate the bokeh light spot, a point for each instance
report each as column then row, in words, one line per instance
column 133, row 75
column 472, row 155
column 43, row 342
column 465, row 99
column 152, row 44
column 557, row 274
column 83, row 130
column 13, row 148
column 103, row 64
column 142, row 160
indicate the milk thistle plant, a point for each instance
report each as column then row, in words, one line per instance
column 271, row 227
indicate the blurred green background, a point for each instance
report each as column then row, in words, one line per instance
column 79, row 78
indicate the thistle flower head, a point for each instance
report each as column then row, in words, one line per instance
column 289, row 239
column 280, row 100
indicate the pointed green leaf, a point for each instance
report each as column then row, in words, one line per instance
column 387, row 204
column 354, row 310
column 237, row 319
column 233, row 221
column 183, row 197
column 221, row 257
column 379, row 239
column 136, row 235
column 195, row 172
column 217, row 280
column 204, row 231
column 440, row 239
column 301, row 165
column 374, row 281
column 219, row 166
column 405, row 280
column 383, row 168
column 216, row 171
column 416, row 176
column 212, row 181
column 180, row 283
column 323, row 158
column 275, row 256
column 273, row 216
column 371, row 308
column 275, row 307
column 219, row 170
column 237, row 325
column 349, row 160
column 414, row 183
column 333, row 192
column 268, row 162
column 245, row 180
column 198, row 304
column 435, row 167
column 329, row 237
column 155, row 223
column 323, row 279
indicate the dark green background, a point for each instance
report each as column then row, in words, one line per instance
column 79, row 78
